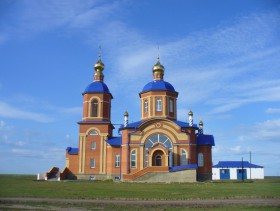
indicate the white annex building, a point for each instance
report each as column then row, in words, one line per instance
column 226, row 170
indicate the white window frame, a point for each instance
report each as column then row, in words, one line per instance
column 200, row 160
column 117, row 161
column 184, row 156
column 92, row 161
column 93, row 143
column 146, row 106
column 133, row 153
column 94, row 104
column 171, row 105
column 158, row 104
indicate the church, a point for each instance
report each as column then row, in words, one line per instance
column 157, row 148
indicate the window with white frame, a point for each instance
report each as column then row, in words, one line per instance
column 155, row 139
column 183, row 157
column 171, row 105
column 146, row 106
column 133, row 159
column 92, row 163
column 94, row 108
column 158, row 104
column 93, row 145
column 117, row 160
column 93, row 133
column 200, row 160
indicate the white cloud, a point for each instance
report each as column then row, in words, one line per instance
column 236, row 149
column 2, row 124
column 72, row 110
column 264, row 131
column 9, row 111
column 48, row 154
column 273, row 110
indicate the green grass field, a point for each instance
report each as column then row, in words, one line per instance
column 27, row 186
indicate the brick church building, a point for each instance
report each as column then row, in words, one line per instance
column 157, row 148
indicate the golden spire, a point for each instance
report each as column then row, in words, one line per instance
column 158, row 69
column 99, row 67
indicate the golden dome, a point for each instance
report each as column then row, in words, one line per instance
column 158, row 67
column 126, row 113
column 99, row 65
column 200, row 123
column 190, row 113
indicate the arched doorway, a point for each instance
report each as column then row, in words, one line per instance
column 151, row 143
column 157, row 158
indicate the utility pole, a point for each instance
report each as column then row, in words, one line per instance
column 250, row 167
column 242, row 171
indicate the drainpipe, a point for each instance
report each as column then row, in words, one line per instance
column 121, row 164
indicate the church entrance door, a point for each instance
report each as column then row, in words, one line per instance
column 158, row 158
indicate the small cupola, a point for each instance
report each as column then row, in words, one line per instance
column 200, row 130
column 125, row 119
column 190, row 118
column 98, row 67
column 158, row 70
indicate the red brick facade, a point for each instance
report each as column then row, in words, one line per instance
column 156, row 143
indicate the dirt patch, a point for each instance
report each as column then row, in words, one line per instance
column 94, row 204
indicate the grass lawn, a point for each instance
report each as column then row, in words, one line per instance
column 27, row 186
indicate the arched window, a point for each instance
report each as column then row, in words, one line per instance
column 158, row 138
column 133, row 159
column 94, row 108
column 200, row 160
column 93, row 133
column 183, row 157
column 158, row 104
column 146, row 106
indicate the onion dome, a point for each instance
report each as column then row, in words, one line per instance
column 158, row 67
column 190, row 113
column 99, row 66
column 158, row 84
column 126, row 114
column 98, row 86
column 158, row 71
column 200, row 124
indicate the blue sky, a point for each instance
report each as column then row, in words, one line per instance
column 221, row 56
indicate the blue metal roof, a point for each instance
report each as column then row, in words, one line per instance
column 235, row 164
column 72, row 151
column 203, row 139
column 94, row 121
column 97, row 87
column 184, row 124
column 183, row 167
column 158, row 85
column 135, row 125
column 114, row 141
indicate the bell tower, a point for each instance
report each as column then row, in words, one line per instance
column 96, row 126
column 158, row 98
column 97, row 97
